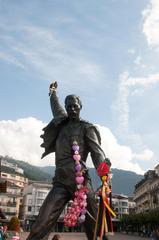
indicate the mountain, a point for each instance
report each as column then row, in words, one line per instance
column 123, row 182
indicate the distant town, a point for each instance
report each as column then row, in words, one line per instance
column 23, row 197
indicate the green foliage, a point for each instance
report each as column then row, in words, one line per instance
column 14, row 224
column 144, row 218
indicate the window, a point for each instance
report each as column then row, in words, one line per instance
column 29, row 201
column 124, row 204
column 37, row 209
column 29, row 208
column 125, row 210
column 116, row 210
column 4, row 175
column 40, row 201
column 41, row 194
column 155, row 199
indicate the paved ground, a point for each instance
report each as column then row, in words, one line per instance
column 81, row 236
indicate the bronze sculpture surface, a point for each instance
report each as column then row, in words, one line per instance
column 65, row 128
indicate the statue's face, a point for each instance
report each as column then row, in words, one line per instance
column 73, row 108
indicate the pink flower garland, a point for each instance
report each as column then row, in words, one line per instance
column 77, row 210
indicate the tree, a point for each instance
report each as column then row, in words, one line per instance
column 14, row 224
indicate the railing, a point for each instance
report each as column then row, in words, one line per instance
column 10, row 213
column 8, row 204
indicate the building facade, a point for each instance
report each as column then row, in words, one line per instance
column 10, row 200
column 12, row 173
column 120, row 205
column 33, row 196
column 146, row 194
column 12, row 183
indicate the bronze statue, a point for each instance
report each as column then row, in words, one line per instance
column 65, row 128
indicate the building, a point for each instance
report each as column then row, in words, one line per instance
column 10, row 200
column 33, row 196
column 35, row 192
column 146, row 194
column 120, row 205
column 154, row 190
column 132, row 205
column 12, row 181
column 10, row 172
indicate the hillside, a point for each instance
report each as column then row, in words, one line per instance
column 123, row 182
column 31, row 172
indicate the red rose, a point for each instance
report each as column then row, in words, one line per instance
column 102, row 169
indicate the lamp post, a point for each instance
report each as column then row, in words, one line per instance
column 110, row 186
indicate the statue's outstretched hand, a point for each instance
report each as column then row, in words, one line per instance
column 53, row 87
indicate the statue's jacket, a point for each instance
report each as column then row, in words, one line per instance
column 59, row 136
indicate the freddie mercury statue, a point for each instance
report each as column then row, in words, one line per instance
column 59, row 134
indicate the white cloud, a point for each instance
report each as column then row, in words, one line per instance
column 90, row 69
column 146, row 155
column 137, row 92
column 45, row 51
column 121, row 105
column 151, row 23
column 131, row 51
column 138, row 60
column 121, row 156
column 10, row 59
column 133, row 87
column 142, row 81
column 21, row 140
column 127, row 86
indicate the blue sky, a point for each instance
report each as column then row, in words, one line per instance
column 107, row 52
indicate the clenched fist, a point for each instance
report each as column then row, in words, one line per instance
column 53, row 87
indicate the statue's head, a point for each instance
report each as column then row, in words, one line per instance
column 73, row 106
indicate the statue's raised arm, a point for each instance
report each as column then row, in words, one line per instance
column 52, row 88
column 57, row 110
